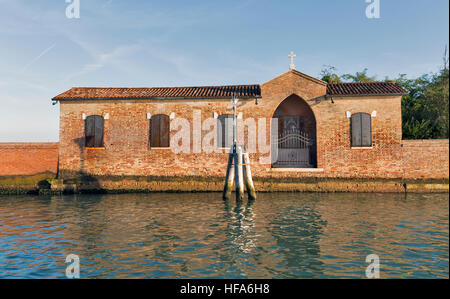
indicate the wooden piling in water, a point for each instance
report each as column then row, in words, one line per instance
column 228, row 188
column 238, row 173
column 248, row 178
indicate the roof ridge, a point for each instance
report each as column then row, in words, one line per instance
column 365, row 88
column 218, row 91
column 373, row 82
column 164, row 87
column 307, row 76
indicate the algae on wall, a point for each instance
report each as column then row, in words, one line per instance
column 46, row 184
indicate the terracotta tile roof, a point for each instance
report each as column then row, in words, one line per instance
column 217, row 92
column 372, row 88
column 209, row 92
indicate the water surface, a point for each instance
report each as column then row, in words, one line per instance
column 280, row 235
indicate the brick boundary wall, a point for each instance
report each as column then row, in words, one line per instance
column 425, row 159
column 28, row 158
column 422, row 160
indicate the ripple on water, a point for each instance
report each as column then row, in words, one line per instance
column 200, row 236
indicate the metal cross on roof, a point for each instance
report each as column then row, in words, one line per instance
column 292, row 65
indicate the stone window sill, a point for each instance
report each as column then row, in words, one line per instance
column 160, row 148
column 306, row 170
column 362, row 147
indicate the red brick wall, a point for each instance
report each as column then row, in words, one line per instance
column 428, row 159
column 28, row 158
column 336, row 155
column 126, row 150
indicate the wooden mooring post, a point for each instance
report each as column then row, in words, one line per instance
column 229, row 179
column 239, row 173
column 248, row 178
column 236, row 161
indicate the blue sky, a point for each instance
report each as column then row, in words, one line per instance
column 131, row 43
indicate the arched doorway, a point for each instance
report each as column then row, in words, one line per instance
column 296, row 137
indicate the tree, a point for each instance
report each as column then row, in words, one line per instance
column 425, row 110
column 328, row 74
column 358, row 77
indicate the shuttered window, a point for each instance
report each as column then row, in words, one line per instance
column 361, row 129
column 225, row 131
column 94, row 126
column 160, row 131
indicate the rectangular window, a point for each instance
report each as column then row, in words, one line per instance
column 225, row 131
column 160, row 131
column 93, row 130
column 361, row 130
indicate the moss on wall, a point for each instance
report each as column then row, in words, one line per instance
column 46, row 184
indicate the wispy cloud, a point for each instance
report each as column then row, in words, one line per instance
column 100, row 60
column 38, row 57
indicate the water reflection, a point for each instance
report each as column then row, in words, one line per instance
column 240, row 223
column 297, row 231
column 199, row 235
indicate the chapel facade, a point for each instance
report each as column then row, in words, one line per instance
column 293, row 126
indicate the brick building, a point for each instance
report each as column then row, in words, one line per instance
column 294, row 126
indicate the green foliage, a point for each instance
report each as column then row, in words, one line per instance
column 358, row 77
column 425, row 109
column 328, row 74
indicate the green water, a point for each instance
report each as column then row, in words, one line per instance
column 200, row 236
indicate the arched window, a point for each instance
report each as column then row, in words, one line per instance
column 361, row 130
column 225, row 131
column 93, row 131
column 160, row 131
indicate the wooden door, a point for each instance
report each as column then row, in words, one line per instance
column 160, row 131
column 94, row 127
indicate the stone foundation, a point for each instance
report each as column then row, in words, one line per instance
column 90, row 184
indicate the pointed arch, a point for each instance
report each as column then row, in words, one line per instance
column 297, row 134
